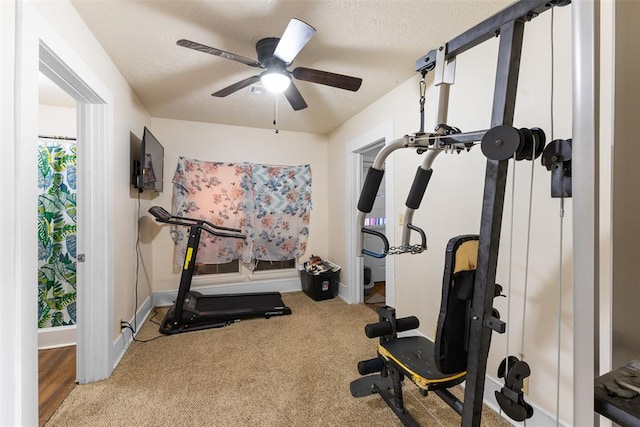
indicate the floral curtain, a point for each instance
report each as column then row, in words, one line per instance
column 281, row 211
column 215, row 192
column 56, row 234
column 271, row 205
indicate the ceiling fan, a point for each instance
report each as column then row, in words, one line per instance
column 275, row 55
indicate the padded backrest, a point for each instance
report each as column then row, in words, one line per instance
column 457, row 293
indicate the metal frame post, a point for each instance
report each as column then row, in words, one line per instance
column 511, row 35
column 585, row 20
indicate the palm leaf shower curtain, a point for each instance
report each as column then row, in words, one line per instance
column 56, row 233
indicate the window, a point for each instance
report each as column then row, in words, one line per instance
column 234, row 267
column 228, row 267
column 275, row 265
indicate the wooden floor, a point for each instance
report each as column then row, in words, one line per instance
column 56, row 379
column 375, row 298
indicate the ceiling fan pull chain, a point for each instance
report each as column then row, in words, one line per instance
column 275, row 112
column 423, row 89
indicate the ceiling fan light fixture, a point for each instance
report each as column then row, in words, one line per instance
column 275, row 81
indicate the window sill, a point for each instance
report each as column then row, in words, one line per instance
column 236, row 278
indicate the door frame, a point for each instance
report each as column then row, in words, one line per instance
column 94, row 215
column 355, row 148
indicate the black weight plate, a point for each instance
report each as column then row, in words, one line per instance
column 500, row 143
column 514, row 410
column 526, row 145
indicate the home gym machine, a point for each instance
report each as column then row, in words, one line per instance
column 194, row 311
column 467, row 318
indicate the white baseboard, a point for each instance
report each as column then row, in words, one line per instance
column 125, row 338
column 288, row 284
column 343, row 292
column 60, row 336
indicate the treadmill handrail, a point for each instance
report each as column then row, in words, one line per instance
column 216, row 227
column 162, row 215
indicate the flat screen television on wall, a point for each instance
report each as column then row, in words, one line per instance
column 148, row 168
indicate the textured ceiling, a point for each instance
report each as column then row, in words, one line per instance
column 378, row 41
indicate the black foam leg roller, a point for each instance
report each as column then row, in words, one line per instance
column 407, row 323
column 418, row 187
column 370, row 189
column 366, row 367
column 373, row 330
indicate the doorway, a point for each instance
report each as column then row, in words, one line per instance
column 374, row 138
column 57, row 243
column 94, row 269
column 57, row 207
column 374, row 274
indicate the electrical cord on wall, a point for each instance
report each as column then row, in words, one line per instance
column 126, row 325
column 138, row 255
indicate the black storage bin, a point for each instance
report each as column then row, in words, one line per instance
column 320, row 286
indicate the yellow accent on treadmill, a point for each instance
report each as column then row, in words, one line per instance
column 187, row 257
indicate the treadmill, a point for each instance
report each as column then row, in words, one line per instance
column 194, row 311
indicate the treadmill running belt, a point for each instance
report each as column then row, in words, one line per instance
column 239, row 302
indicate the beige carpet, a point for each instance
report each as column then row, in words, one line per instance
column 285, row 371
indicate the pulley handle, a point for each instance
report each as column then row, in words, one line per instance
column 382, row 237
column 423, row 236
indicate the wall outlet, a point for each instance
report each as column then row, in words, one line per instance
column 401, row 220
column 525, row 386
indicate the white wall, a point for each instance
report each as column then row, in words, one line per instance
column 452, row 202
column 23, row 23
column 18, row 368
column 213, row 142
column 57, row 121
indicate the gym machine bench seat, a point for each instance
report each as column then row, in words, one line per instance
column 432, row 366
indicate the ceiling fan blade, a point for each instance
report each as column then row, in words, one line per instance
column 217, row 52
column 326, row 78
column 236, row 86
column 294, row 38
column 295, row 98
